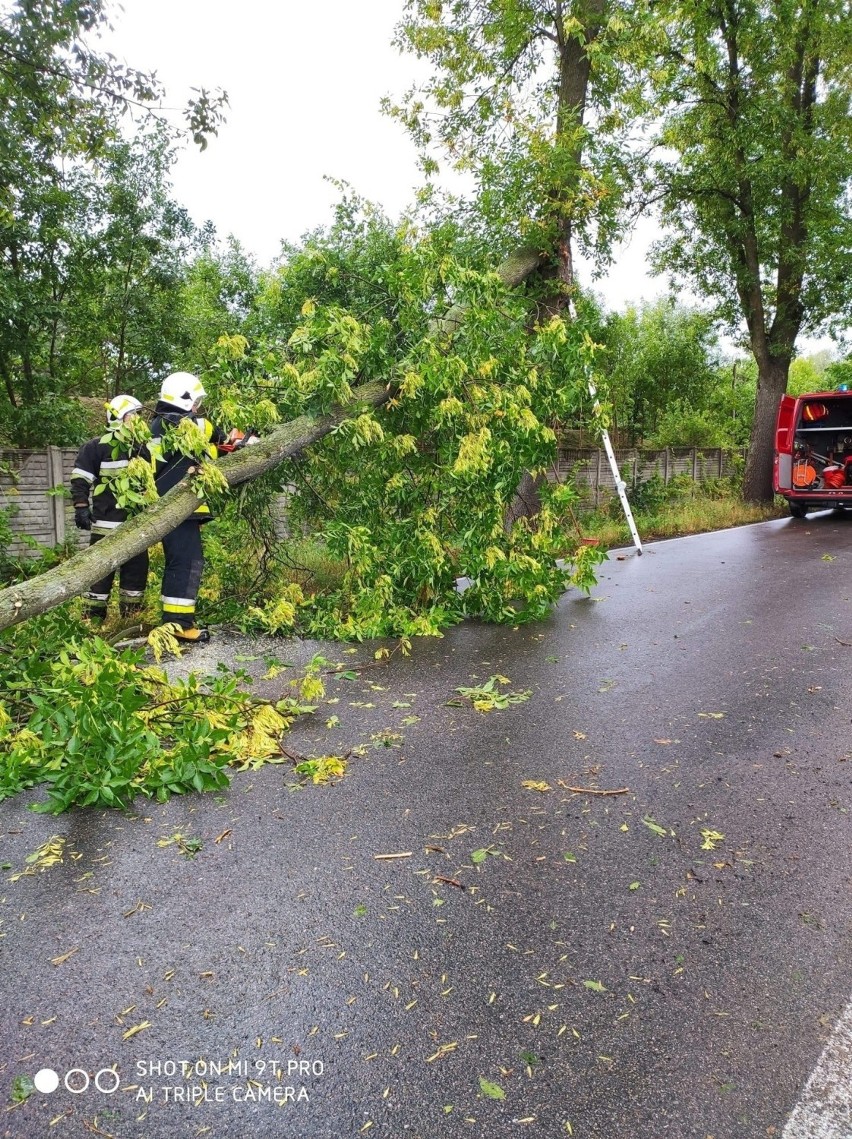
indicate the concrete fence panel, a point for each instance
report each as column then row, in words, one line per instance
column 27, row 479
column 591, row 472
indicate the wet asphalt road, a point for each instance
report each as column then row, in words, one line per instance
column 543, row 962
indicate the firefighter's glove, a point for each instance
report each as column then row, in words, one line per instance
column 83, row 517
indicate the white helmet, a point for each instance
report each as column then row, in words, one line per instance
column 121, row 406
column 183, row 390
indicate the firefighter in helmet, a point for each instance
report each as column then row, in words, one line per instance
column 180, row 397
column 96, row 461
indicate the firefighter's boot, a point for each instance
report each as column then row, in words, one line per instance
column 191, row 634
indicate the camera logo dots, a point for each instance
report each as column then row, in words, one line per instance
column 46, row 1081
column 77, row 1081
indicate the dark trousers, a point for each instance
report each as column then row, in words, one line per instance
column 182, row 575
column 132, row 577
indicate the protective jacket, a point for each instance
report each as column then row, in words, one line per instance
column 93, row 465
column 170, row 466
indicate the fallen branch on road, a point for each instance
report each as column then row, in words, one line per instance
column 594, row 791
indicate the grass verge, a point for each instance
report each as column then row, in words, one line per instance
column 677, row 517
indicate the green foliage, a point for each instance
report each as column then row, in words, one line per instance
column 22, row 1088
column 126, row 270
column 653, row 498
column 127, row 436
column 322, row 769
column 656, row 357
column 99, row 726
column 758, row 130
column 505, row 104
column 409, row 498
column 753, row 171
column 219, row 293
column 91, row 245
column 78, row 93
column 839, row 372
column 682, row 425
column 133, row 486
column 7, row 536
column 487, row 697
column 39, row 559
column 52, row 420
column 732, row 399
column 645, row 495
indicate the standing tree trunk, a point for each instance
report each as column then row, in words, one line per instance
column 574, row 74
column 575, row 68
column 771, row 385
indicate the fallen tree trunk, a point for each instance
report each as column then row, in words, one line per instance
column 79, row 573
column 512, row 272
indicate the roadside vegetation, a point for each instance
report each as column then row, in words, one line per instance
column 676, row 511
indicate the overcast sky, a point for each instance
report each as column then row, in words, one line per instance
column 305, row 83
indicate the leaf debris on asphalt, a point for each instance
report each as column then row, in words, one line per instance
column 136, row 1028
column 61, row 960
column 443, row 1050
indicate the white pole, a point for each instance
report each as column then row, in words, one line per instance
column 616, row 474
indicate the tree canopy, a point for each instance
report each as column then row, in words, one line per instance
column 754, row 176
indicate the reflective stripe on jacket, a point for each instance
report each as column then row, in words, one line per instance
column 92, row 467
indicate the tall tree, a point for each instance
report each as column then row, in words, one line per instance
column 128, row 270
column 513, row 86
column 92, row 269
column 61, row 103
column 755, row 184
column 508, row 102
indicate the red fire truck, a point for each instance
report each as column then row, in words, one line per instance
column 813, row 451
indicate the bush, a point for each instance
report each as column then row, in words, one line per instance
column 681, row 426
column 54, row 421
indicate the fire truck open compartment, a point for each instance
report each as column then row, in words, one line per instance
column 813, row 451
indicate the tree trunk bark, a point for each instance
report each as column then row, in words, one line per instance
column 575, row 65
column 7, row 382
column 771, row 385
column 517, row 267
column 527, row 500
column 71, row 578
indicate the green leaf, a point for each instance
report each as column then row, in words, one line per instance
column 493, row 1091
column 22, row 1088
column 654, row 826
column 595, row 986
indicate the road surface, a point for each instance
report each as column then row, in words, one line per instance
column 664, row 952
